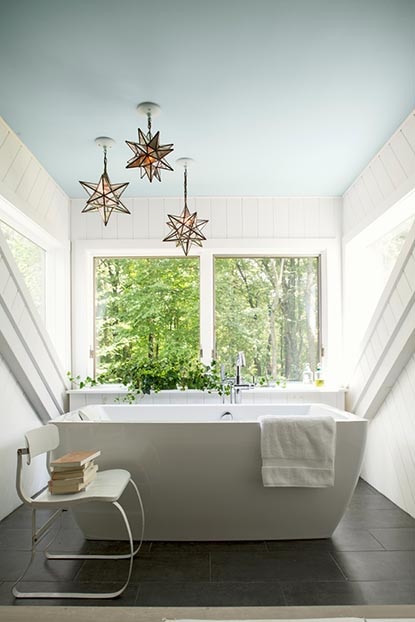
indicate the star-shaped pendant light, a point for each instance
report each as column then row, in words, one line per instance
column 104, row 197
column 186, row 229
column 149, row 156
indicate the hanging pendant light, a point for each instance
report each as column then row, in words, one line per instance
column 186, row 229
column 149, row 156
column 104, row 197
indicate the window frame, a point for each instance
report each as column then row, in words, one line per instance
column 320, row 347
column 95, row 258
column 330, row 309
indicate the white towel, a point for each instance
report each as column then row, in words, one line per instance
column 298, row 450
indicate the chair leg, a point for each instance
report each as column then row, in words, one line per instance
column 122, row 556
column 89, row 595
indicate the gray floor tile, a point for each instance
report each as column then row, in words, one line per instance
column 208, row 547
column 214, row 594
column 402, row 539
column 127, row 598
column 322, row 593
column 377, row 565
column 279, row 566
column 388, row 592
column 345, row 539
column 150, row 567
column 372, row 518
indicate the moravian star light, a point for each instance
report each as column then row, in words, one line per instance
column 104, row 197
column 149, row 156
column 186, row 229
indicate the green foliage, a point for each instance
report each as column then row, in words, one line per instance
column 267, row 307
column 147, row 319
column 144, row 377
column 147, row 309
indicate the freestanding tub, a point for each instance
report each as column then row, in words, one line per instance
column 200, row 475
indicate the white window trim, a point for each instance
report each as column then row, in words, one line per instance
column 56, row 265
column 84, row 252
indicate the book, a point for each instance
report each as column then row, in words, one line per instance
column 65, row 473
column 75, row 459
column 71, row 485
column 81, row 475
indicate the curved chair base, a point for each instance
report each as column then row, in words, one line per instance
column 87, row 595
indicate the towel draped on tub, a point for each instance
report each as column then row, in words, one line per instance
column 298, row 450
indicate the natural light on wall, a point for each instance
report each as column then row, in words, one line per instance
column 31, row 261
column 370, row 259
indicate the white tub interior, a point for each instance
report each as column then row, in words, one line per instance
column 203, row 413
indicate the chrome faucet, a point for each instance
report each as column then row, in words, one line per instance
column 236, row 385
column 240, row 362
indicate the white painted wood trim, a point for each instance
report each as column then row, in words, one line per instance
column 27, row 348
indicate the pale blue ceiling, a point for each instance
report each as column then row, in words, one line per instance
column 270, row 97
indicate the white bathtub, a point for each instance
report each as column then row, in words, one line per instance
column 200, row 475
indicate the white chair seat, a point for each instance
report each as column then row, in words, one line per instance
column 107, row 486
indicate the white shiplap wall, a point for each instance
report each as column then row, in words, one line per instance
column 389, row 341
column 390, row 455
column 29, row 188
column 385, row 180
column 230, row 218
column 34, row 199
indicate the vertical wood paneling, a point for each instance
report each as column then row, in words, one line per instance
column 296, row 225
column 234, row 218
column 17, row 169
column 281, row 218
column 403, row 152
column 393, row 166
column 8, row 152
column 218, row 217
column 156, row 218
column 265, row 218
column 249, row 217
column 408, row 130
column 372, row 186
column 38, row 189
column 140, row 218
column 3, row 133
column 125, row 221
column 391, row 170
column 203, row 209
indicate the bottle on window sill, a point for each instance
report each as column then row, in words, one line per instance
column 318, row 376
column 307, row 374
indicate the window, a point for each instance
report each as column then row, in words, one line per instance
column 31, row 261
column 146, row 308
column 269, row 308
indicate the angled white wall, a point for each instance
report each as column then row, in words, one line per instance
column 381, row 385
column 31, row 201
column 388, row 177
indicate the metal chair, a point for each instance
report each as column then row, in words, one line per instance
column 107, row 488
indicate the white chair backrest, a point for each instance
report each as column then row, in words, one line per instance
column 41, row 440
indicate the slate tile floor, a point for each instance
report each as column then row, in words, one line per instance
column 369, row 560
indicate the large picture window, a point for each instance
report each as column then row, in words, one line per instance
column 146, row 309
column 269, row 308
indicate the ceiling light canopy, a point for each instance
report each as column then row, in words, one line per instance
column 186, row 229
column 149, row 156
column 104, row 197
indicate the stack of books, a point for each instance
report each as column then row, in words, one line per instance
column 73, row 472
